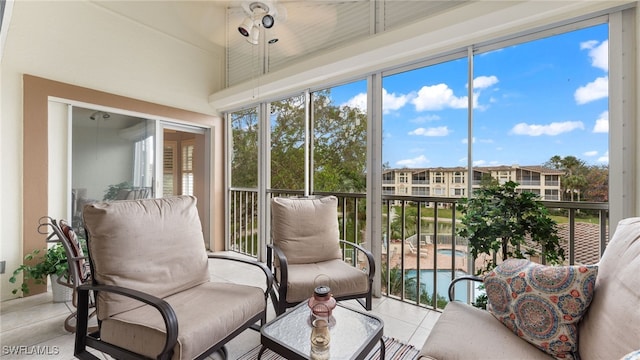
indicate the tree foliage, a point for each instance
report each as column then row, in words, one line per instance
column 287, row 143
column 500, row 220
column 244, row 159
column 574, row 181
column 339, row 145
column 598, row 180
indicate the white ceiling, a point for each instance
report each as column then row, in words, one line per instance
column 302, row 27
column 202, row 23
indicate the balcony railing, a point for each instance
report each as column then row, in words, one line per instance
column 420, row 258
column 524, row 182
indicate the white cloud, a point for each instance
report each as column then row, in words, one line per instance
column 590, row 153
column 434, row 131
column 483, row 82
column 602, row 123
column 552, row 129
column 597, row 89
column 359, row 101
column 589, row 44
column 416, row 162
column 391, row 101
column 479, row 162
column 424, row 119
column 604, row 158
column 599, row 53
column 438, row 97
column 475, row 140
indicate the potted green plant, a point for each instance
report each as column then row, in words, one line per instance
column 51, row 261
column 500, row 220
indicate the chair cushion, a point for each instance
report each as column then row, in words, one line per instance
column 152, row 245
column 464, row 332
column 206, row 314
column 541, row 304
column 609, row 330
column 306, row 229
column 342, row 278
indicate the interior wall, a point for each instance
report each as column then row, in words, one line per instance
column 86, row 44
column 114, row 165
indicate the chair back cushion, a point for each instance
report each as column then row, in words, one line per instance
column 151, row 245
column 609, row 330
column 306, row 229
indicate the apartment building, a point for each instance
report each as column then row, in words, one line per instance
column 453, row 181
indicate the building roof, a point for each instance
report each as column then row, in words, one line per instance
column 534, row 168
column 587, row 241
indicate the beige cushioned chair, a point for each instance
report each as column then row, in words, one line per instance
column 609, row 329
column 306, row 252
column 151, row 275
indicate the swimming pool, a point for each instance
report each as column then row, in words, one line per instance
column 459, row 253
column 443, row 280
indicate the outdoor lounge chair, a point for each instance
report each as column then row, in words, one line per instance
column 414, row 251
column 150, row 273
column 307, row 252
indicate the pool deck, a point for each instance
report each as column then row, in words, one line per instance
column 427, row 259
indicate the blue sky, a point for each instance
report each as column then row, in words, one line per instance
column 532, row 101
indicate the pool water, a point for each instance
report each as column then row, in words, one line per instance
column 443, row 279
column 459, row 253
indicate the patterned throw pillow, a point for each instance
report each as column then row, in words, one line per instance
column 541, row 304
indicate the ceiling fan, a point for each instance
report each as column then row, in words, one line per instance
column 298, row 26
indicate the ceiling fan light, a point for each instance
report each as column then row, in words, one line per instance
column 254, row 36
column 246, row 27
column 267, row 21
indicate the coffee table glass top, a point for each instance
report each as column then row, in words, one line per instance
column 353, row 333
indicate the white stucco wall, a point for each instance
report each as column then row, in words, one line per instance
column 84, row 44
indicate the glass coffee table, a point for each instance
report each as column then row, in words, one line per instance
column 353, row 334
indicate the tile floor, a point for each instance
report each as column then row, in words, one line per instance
column 38, row 321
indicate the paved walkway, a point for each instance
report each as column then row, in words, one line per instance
column 428, row 257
